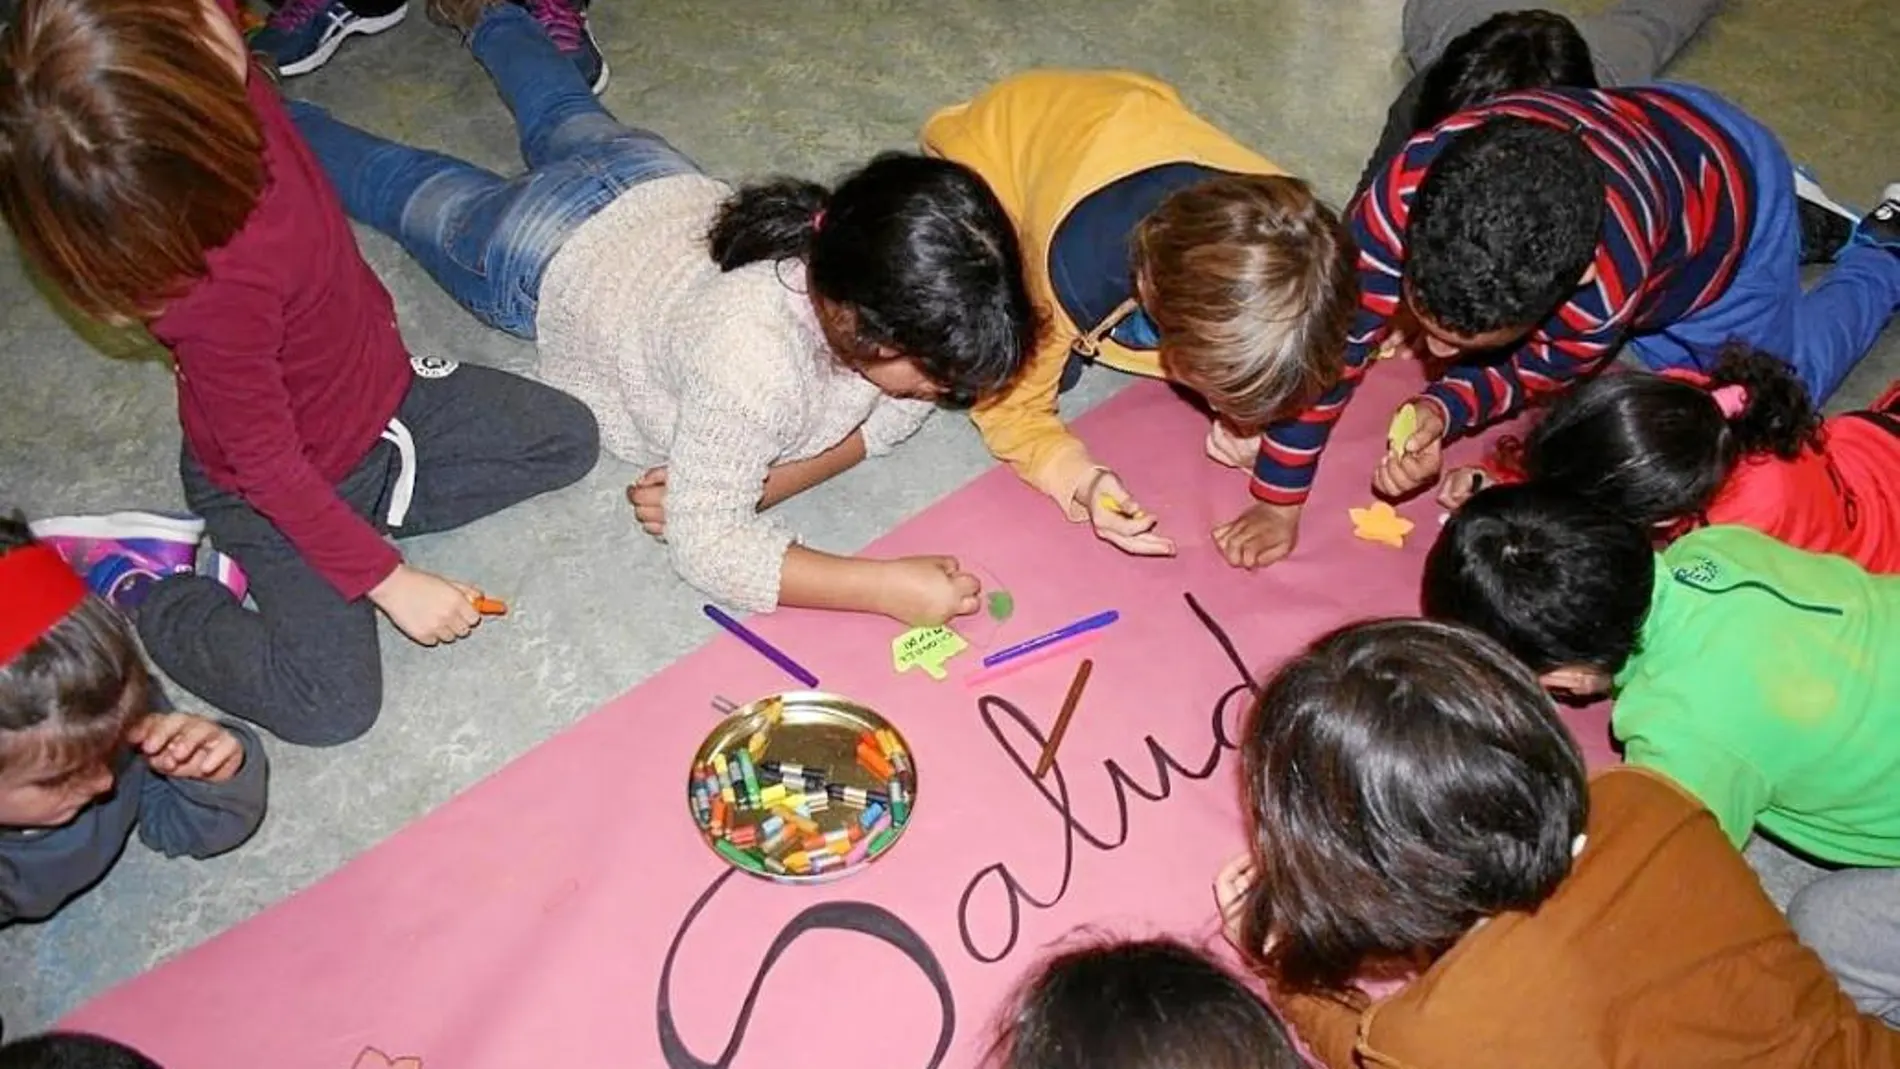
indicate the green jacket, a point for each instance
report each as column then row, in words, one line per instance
column 1767, row 682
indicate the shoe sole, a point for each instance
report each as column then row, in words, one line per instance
column 600, row 80
column 1806, row 188
column 363, row 27
column 123, row 526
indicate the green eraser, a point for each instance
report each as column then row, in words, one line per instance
column 1002, row 605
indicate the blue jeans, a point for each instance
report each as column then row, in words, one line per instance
column 487, row 239
column 1823, row 332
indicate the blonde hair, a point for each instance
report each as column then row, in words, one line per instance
column 1251, row 283
column 128, row 149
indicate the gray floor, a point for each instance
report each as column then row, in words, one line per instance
column 746, row 86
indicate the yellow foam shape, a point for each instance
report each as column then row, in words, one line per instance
column 1404, row 425
column 1380, row 522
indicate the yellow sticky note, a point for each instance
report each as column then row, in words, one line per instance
column 1404, row 425
column 927, row 648
column 1380, row 523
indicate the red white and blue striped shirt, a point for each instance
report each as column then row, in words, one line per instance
column 1679, row 203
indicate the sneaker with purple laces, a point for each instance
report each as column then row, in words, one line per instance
column 302, row 35
column 159, row 542
column 565, row 22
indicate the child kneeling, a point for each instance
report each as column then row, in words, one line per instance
column 83, row 755
column 1420, row 815
column 1759, row 677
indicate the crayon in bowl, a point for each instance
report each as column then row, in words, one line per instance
column 802, row 787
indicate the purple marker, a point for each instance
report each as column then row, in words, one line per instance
column 1080, row 627
column 766, row 649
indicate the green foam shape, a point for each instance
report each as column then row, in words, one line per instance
column 1002, row 605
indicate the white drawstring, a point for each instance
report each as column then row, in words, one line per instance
column 399, row 496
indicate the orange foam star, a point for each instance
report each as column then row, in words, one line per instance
column 1381, row 523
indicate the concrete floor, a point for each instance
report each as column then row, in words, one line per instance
column 748, row 87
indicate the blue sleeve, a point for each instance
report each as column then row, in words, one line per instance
column 191, row 817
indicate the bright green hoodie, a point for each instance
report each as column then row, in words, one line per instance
column 1767, row 682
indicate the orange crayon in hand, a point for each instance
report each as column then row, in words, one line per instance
column 491, row 607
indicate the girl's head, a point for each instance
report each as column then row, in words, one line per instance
column 71, row 682
column 128, row 149
column 1250, row 281
column 1142, row 1005
column 1654, row 449
column 1406, row 779
column 1507, row 52
column 914, row 267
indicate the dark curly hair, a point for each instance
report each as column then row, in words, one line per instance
column 1654, row 449
column 1503, row 226
column 918, row 247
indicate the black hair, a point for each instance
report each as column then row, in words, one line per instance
column 72, row 1050
column 1559, row 582
column 918, row 247
column 1152, row 1004
column 77, row 687
column 1405, row 779
column 1504, row 226
column 1654, row 449
column 1508, row 52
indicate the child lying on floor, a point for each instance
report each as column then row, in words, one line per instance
column 1759, row 677
column 87, row 750
column 1420, row 814
column 1742, row 445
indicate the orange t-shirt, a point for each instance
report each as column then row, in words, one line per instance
column 1843, row 498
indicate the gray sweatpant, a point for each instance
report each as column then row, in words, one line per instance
column 1630, row 44
column 305, row 664
column 1850, row 917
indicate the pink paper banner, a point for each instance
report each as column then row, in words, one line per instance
column 564, row 911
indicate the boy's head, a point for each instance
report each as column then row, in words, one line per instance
column 71, row 682
column 1250, row 281
column 1503, row 230
column 128, row 149
column 1406, row 779
column 1154, row 1004
column 1510, row 51
column 1560, row 583
column 72, row 1050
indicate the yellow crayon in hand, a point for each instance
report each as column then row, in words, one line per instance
column 1106, row 501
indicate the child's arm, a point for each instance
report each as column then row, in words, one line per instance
column 1476, row 395
column 724, row 441
column 207, row 788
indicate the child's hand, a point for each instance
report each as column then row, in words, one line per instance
column 1118, row 520
column 1233, row 450
column 1259, row 536
column 1460, row 483
column 927, row 591
column 648, row 498
column 1231, row 885
column 183, row 746
column 1423, row 456
column 427, row 608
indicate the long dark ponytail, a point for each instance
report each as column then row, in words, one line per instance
column 1654, row 448
column 918, row 247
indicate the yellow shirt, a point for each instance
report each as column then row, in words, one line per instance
column 1043, row 141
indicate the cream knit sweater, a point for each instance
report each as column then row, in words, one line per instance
column 716, row 375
